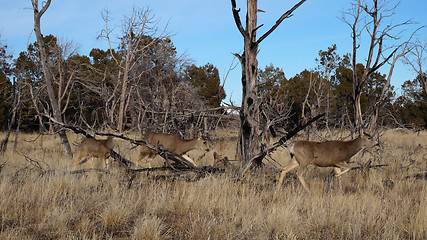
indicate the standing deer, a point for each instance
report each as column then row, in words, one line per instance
column 335, row 154
column 172, row 143
column 91, row 147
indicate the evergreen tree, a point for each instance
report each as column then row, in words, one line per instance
column 206, row 80
column 271, row 82
column 5, row 86
column 411, row 106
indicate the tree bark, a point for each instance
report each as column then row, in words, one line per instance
column 249, row 111
column 47, row 74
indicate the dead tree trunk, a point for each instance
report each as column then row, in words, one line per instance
column 248, row 136
column 249, row 111
column 47, row 74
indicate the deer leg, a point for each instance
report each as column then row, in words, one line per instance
column 76, row 163
column 148, row 160
column 293, row 164
column 338, row 172
column 93, row 161
column 301, row 179
column 80, row 160
column 107, row 160
column 189, row 159
column 139, row 159
column 106, row 163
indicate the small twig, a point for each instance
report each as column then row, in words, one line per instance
column 89, row 170
column 33, row 162
column 418, row 176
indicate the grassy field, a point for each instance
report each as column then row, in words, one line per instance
column 40, row 199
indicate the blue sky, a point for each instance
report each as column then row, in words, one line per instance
column 206, row 32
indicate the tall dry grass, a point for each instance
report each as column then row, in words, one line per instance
column 39, row 199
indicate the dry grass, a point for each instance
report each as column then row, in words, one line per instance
column 58, row 205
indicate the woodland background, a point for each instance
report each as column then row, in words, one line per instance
column 142, row 83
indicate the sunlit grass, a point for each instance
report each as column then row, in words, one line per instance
column 50, row 203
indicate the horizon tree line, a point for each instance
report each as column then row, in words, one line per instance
column 143, row 84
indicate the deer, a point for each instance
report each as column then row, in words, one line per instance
column 91, row 147
column 335, row 154
column 172, row 143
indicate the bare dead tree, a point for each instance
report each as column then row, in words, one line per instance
column 64, row 79
column 403, row 51
column 371, row 17
column 328, row 62
column 249, row 112
column 142, row 82
column 165, row 95
column 48, row 78
column 316, row 98
column 417, row 60
column 305, row 102
column 139, row 33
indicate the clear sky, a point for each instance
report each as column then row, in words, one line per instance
column 206, row 32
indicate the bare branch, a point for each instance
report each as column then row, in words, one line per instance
column 283, row 17
column 237, row 19
column 38, row 14
column 416, row 59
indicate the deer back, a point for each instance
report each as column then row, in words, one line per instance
column 94, row 147
column 326, row 154
column 172, row 142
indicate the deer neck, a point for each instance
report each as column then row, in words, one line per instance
column 188, row 145
column 109, row 143
column 355, row 146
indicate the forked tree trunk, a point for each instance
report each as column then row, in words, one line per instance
column 47, row 74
